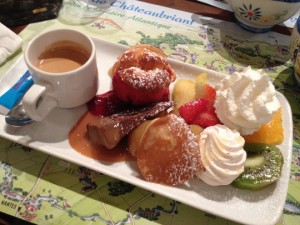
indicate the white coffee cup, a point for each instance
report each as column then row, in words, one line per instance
column 59, row 89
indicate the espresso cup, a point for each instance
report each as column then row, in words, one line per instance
column 63, row 66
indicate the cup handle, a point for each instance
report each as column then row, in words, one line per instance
column 37, row 104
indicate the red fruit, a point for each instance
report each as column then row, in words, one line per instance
column 206, row 119
column 204, row 90
column 190, row 110
column 200, row 112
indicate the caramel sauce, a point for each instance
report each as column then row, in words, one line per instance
column 79, row 140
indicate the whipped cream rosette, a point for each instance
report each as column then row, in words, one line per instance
column 245, row 101
column 222, row 155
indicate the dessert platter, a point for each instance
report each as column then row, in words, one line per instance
column 238, row 202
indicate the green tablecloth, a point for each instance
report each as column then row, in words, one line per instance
column 46, row 190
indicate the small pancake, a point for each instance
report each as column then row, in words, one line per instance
column 168, row 152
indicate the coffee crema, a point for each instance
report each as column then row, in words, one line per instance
column 62, row 56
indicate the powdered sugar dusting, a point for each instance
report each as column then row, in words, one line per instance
column 190, row 146
column 169, row 151
column 144, row 69
column 148, row 80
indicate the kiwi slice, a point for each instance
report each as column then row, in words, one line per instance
column 262, row 167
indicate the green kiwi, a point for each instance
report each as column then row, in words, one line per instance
column 262, row 167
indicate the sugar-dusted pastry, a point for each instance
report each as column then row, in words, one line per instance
column 168, row 152
column 108, row 131
column 142, row 75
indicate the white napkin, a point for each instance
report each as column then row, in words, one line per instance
column 9, row 43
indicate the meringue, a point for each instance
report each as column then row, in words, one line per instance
column 222, row 155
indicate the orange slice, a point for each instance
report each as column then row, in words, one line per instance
column 269, row 133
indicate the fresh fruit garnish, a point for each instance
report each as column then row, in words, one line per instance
column 200, row 112
column 201, row 78
column 204, row 90
column 269, row 133
column 262, row 167
column 189, row 111
column 206, row 119
column 183, row 92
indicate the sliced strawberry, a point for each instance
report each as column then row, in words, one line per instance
column 190, row 110
column 200, row 112
column 206, row 119
column 204, row 90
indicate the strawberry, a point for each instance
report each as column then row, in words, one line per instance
column 204, row 90
column 190, row 110
column 206, row 119
column 200, row 112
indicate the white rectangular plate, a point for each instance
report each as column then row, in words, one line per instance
column 51, row 136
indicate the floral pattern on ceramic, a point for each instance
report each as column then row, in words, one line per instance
column 261, row 15
column 252, row 13
column 295, row 49
column 249, row 12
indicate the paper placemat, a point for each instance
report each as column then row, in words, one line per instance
column 46, row 190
